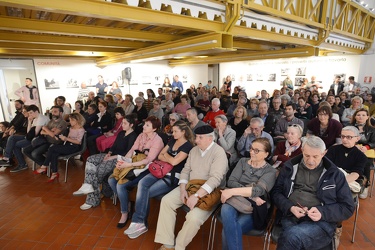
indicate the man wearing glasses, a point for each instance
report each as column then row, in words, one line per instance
column 352, row 160
column 276, row 111
column 255, row 130
column 312, row 196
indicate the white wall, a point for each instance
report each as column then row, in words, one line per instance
column 367, row 69
column 324, row 68
column 62, row 71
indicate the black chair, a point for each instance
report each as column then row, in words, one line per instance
column 254, row 233
column 66, row 158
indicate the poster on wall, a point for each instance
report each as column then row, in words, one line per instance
column 72, row 83
column 249, row 77
column 259, row 77
column 285, row 71
column 51, row 84
column 272, row 77
column 301, row 71
column 342, row 77
column 298, row 81
column 367, row 79
column 233, row 77
column 146, row 80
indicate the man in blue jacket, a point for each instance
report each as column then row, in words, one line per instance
column 177, row 84
column 312, row 194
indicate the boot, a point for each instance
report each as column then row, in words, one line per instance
column 337, row 236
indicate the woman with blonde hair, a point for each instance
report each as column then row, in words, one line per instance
column 128, row 104
column 239, row 122
column 71, row 144
column 115, row 89
column 174, row 153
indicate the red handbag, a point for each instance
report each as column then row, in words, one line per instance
column 159, row 168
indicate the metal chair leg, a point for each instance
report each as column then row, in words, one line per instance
column 372, row 181
column 66, row 169
column 211, row 238
column 355, row 219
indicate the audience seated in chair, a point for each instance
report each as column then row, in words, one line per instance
column 71, row 143
column 175, row 153
column 98, row 166
column 148, row 143
column 207, row 162
column 252, row 179
column 312, row 196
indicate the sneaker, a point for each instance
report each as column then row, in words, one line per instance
column 364, row 194
column 2, row 169
column 85, row 206
column 5, row 163
column 84, row 190
column 337, row 236
column 135, row 230
column 19, row 168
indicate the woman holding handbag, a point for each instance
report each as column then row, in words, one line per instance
column 175, row 153
column 148, row 143
column 252, row 178
column 98, row 166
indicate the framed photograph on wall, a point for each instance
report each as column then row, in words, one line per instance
column 51, row 84
column 367, row 79
column 298, row 81
column 272, row 77
column 301, row 71
column 285, row 71
column 249, row 77
column 72, row 83
column 259, row 77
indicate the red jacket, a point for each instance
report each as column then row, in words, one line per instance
column 210, row 117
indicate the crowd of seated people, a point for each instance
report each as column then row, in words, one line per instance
column 237, row 139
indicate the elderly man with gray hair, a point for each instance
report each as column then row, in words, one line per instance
column 312, row 196
column 215, row 111
column 255, row 130
column 206, row 164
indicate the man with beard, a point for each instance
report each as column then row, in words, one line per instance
column 288, row 120
column 48, row 135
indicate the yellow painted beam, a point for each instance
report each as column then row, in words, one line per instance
column 239, row 31
column 351, row 35
column 6, row 36
column 253, row 46
column 118, row 12
column 283, row 14
column 25, row 52
column 27, row 25
column 339, row 48
column 59, row 47
column 275, row 54
column 187, row 45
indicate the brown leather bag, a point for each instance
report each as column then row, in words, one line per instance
column 207, row 202
column 126, row 174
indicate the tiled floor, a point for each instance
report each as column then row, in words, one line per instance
column 39, row 215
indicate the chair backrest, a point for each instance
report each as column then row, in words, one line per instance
column 83, row 143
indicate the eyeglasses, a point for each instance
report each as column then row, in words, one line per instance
column 293, row 125
column 256, row 151
column 349, row 137
column 322, row 114
column 254, row 129
column 172, row 120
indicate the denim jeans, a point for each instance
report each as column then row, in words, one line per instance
column 17, row 151
column 234, row 224
column 122, row 190
column 12, row 140
column 36, row 154
column 149, row 187
column 305, row 234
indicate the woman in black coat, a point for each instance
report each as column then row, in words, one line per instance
column 361, row 120
column 102, row 124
